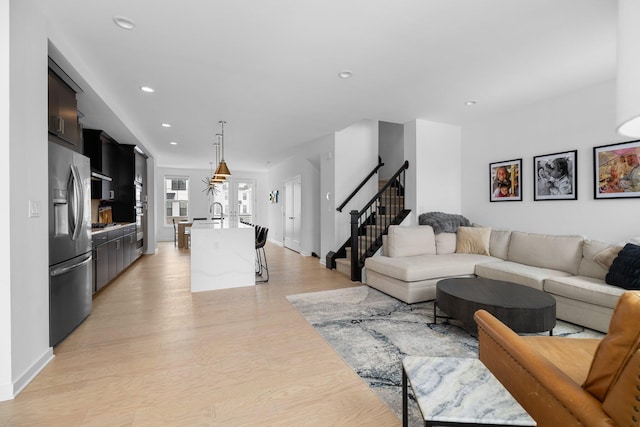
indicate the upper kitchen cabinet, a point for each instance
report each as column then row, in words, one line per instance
column 131, row 172
column 103, row 152
column 63, row 124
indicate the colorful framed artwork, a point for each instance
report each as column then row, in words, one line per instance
column 504, row 179
column 555, row 176
column 616, row 170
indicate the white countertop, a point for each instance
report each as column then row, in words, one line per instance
column 218, row 224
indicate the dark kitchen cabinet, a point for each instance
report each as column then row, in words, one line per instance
column 131, row 171
column 100, row 262
column 113, row 251
column 63, row 125
column 129, row 245
column 116, row 253
column 102, row 150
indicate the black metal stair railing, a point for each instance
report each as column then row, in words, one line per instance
column 373, row 220
column 359, row 187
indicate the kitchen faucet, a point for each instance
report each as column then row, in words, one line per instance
column 212, row 210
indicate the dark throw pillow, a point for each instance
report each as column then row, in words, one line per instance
column 625, row 269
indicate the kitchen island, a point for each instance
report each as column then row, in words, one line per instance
column 222, row 255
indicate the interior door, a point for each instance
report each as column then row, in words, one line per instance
column 237, row 197
column 292, row 214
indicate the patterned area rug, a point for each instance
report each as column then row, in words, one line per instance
column 372, row 332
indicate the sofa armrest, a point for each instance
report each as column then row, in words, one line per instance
column 543, row 390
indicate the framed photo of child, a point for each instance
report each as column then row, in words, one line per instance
column 504, row 181
column 617, row 170
column 555, row 176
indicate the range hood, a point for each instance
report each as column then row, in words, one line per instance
column 97, row 176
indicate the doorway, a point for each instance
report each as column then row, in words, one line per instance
column 292, row 213
column 238, row 199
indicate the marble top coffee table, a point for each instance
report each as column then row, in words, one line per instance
column 456, row 391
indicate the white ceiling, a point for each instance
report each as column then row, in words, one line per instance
column 270, row 67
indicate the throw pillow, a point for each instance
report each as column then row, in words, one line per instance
column 473, row 240
column 616, row 348
column 445, row 243
column 411, row 241
column 605, row 258
column 625, row 269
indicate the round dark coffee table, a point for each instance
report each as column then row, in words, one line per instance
column 521, row 308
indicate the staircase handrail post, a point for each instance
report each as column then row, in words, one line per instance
column 355, row 250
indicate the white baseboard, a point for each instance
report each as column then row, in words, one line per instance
column 9, row 391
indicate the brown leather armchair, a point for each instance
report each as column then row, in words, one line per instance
column 570, row 381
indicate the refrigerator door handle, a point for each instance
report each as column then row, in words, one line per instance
column 77, row 205
column 64, row 270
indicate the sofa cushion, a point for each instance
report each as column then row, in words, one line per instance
column 423, row 267
column 411, row 241
column 605, row 257
column 585, row 289
column 625, row 269
column 499, row 243
column 562, row 253
column 445, row 243
column 517, row 273
column 473, row 240
column 593, row 257
column 617, row 347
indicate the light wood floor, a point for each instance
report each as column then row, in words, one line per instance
column 152, row 353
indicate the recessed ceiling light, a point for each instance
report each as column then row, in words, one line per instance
column 345, row 74
column 124, row 23
column 166, row 125
column 470, row 103
column 147, row 89
column 173, row 143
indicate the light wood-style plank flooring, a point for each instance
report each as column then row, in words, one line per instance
column 152, row 353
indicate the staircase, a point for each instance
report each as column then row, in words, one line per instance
column 369, row 225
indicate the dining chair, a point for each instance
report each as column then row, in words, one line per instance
column 261, row 256
column 175, row 232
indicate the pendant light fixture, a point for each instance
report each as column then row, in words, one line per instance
column 217, row 179
column 222, row 170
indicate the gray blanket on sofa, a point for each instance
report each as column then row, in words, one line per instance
column 443, row 222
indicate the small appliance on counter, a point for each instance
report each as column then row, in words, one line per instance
column 105, row 215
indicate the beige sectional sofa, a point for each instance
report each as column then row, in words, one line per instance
column 571, row 268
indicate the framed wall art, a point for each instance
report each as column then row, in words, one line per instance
column 616, row 170
column 504, row 178
column 555, row 176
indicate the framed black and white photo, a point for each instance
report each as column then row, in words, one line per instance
column 504, row 181
column 555, row 176
column 616, row 170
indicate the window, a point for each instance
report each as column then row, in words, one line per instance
column 176, row 199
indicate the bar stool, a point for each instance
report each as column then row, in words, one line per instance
column 261, row 256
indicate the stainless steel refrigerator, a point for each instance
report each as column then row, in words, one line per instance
column 70, row 263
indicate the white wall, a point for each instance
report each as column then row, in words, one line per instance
column 6, row 387
column 306, row 163
column 198, row 200
column 356, row 154
column 390, row 148
column 327, row 198
column 580, row 120
column 433, row 177
column 24, row 287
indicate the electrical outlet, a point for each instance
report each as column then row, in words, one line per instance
column 34, row 208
